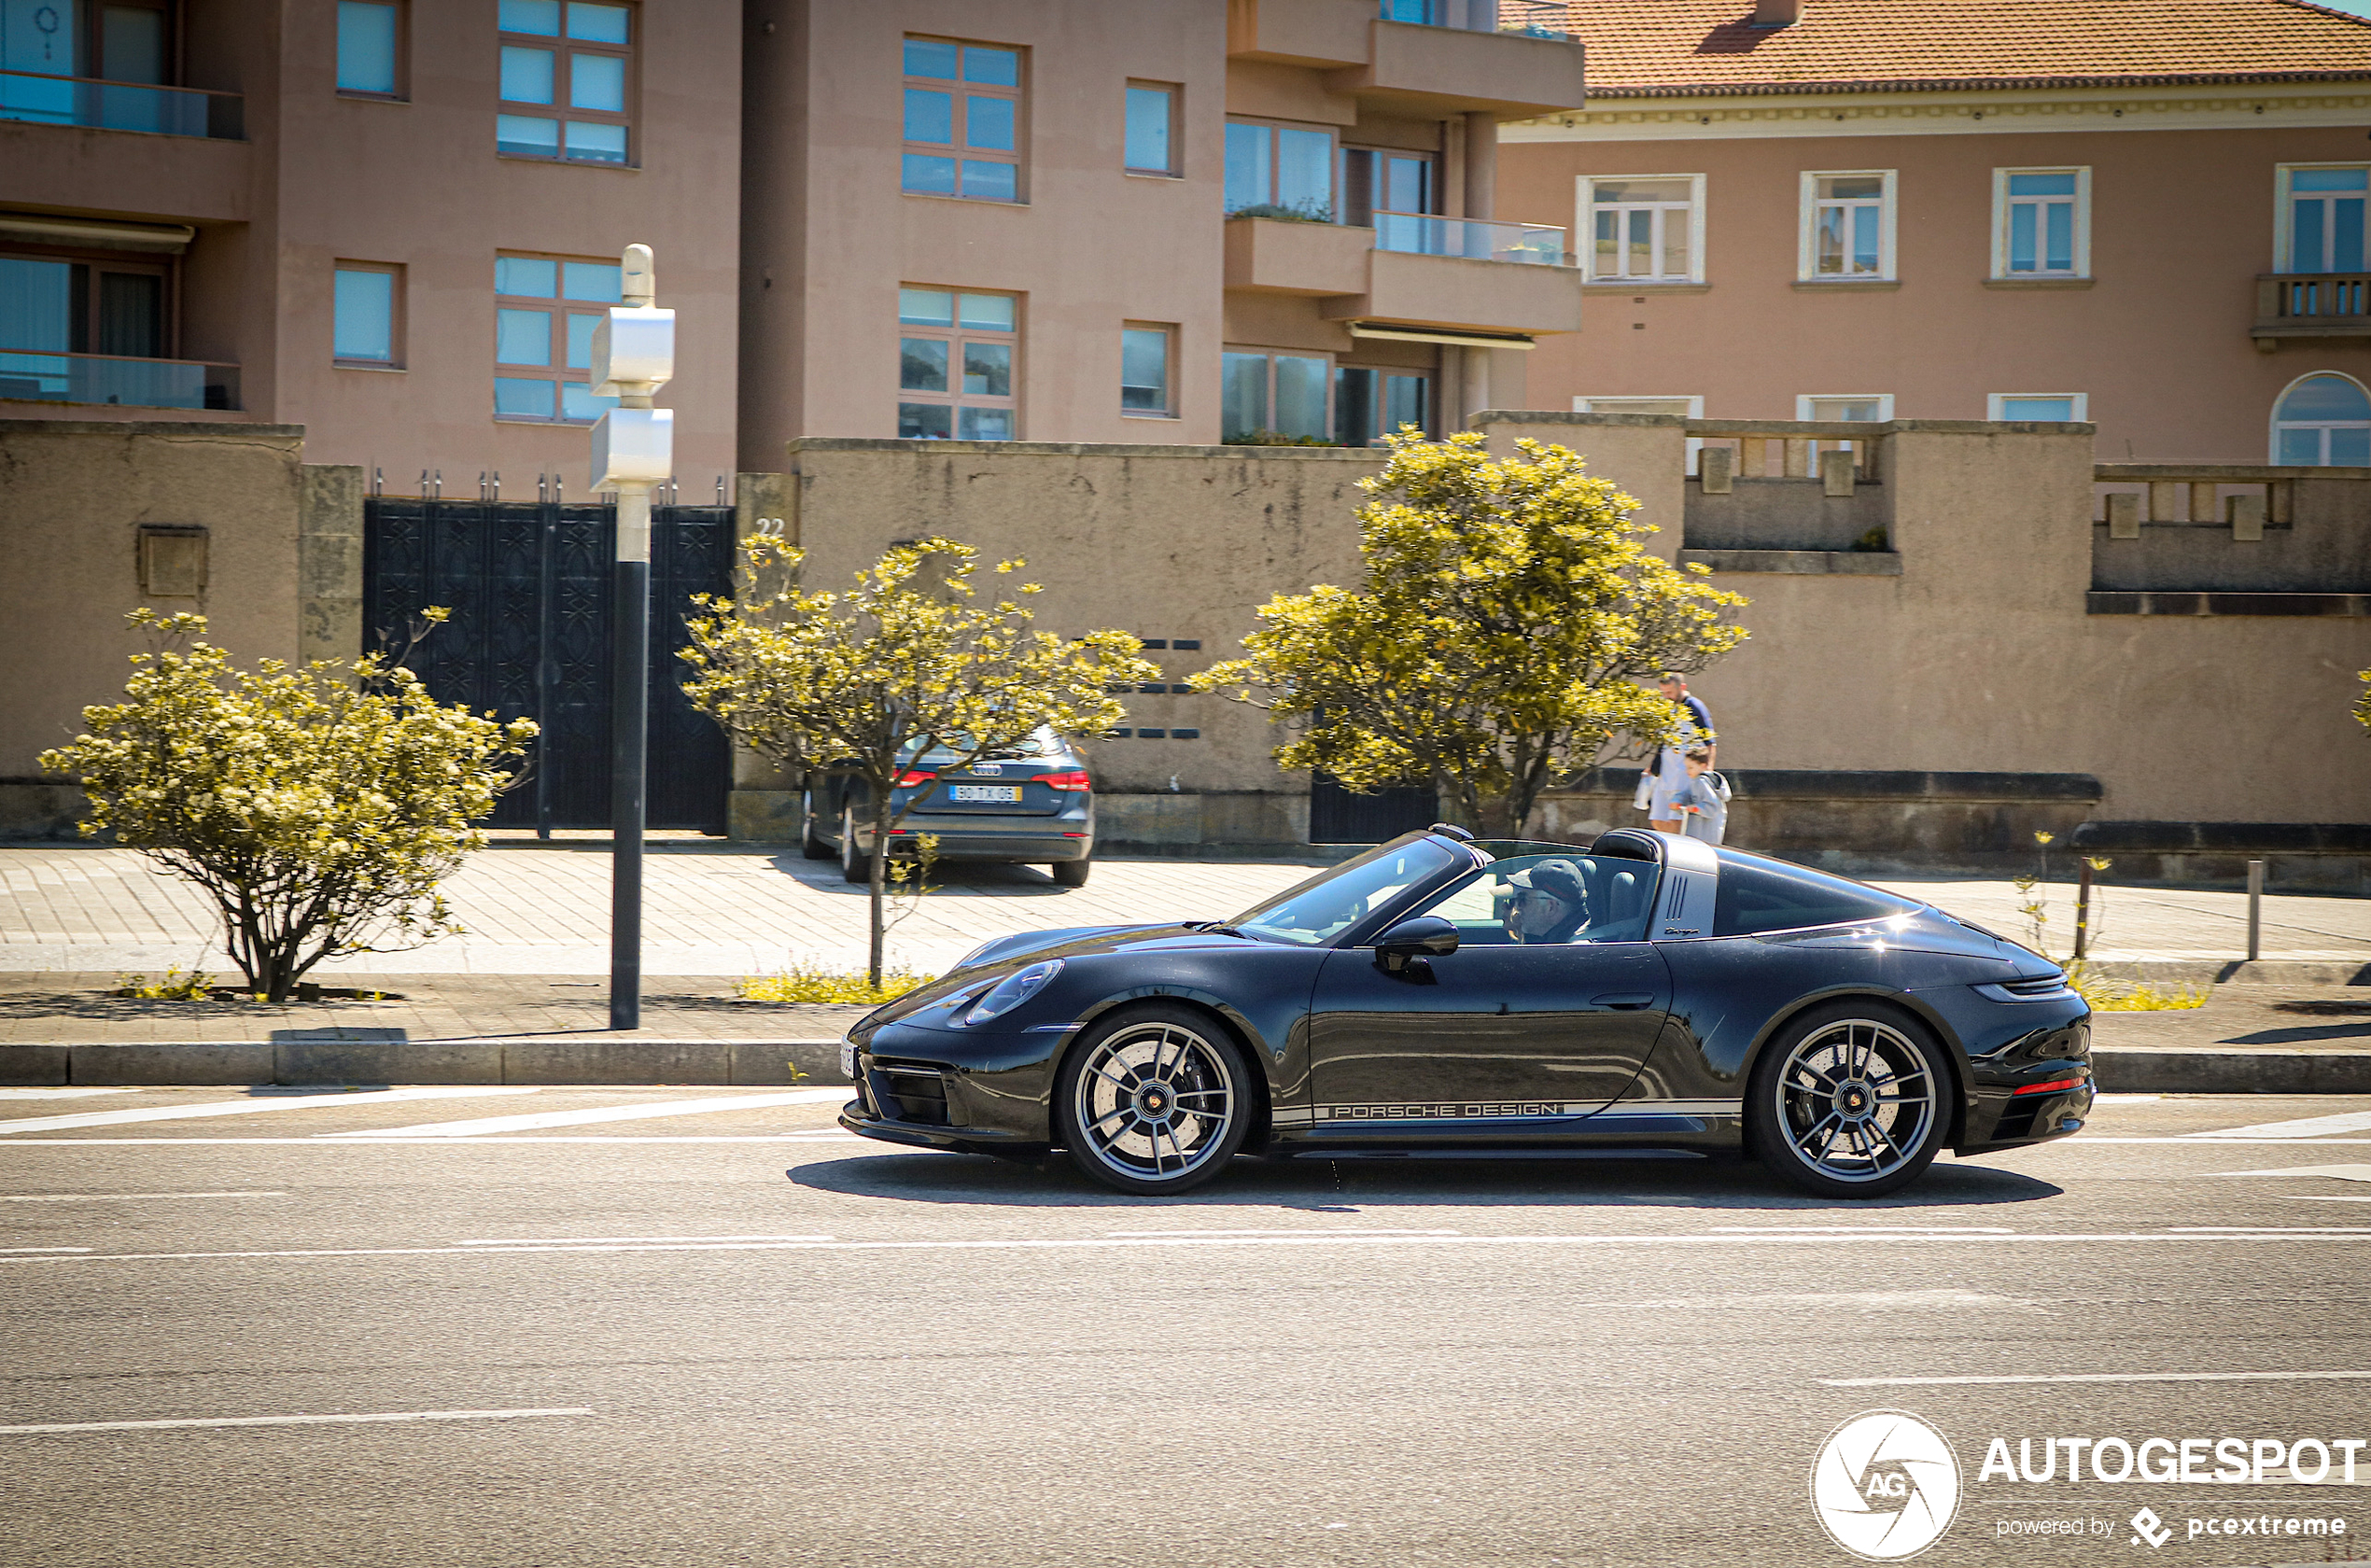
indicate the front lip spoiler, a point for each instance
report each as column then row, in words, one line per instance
column 961, row 1140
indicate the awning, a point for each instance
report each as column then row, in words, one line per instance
column 1448, row 335
column 170, row 238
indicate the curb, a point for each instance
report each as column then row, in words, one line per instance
column 2153, row 1069
column 2119, row 1069
column 365, row 1060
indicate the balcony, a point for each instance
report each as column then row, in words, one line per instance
column 1456, row 294
column 108, row 380
column 2312, row 306
column 1529, row 19
column 1422, row 69
column 112, row 105
column 1266, row 256
column 1475, row 239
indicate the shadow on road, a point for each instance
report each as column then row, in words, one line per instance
column 1355, row 1186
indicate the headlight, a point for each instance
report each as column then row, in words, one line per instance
column 1013, row 990
column 848, row 1060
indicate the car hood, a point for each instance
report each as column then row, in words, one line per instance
column 1012, row 952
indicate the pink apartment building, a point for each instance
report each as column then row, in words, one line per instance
column 2148, row 214
column 393, row 222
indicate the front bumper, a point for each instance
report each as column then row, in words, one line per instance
column 976, row 1091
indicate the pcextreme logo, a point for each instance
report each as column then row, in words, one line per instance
column 1886, row 1486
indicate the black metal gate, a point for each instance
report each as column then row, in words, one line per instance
column 1336, row 816
column 529, row 587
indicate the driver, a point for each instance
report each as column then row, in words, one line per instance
column 1551, row 902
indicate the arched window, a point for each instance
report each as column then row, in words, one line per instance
column 2320, row 420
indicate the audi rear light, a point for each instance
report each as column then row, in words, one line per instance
column 907, row 780
column 1074, row 779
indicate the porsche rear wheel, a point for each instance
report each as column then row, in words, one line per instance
column 1156, row 1102
column 1851, row 1100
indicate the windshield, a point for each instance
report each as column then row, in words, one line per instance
column 1044, row 743
column 1320, row 908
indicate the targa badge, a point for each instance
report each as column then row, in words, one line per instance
column 1886, row 1486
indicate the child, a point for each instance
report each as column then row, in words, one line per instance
column 1703, row 804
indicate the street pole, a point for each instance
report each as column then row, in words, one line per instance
column 2255, row 910
column 633, row 449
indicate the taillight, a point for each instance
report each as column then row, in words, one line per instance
column 909, row 779
column 1074, row 779
column 2051, row 1087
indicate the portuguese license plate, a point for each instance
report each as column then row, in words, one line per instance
column 1007, row 794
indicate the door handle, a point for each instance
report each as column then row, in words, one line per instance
column 1623, row 1001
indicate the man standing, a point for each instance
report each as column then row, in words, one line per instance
column 1670, row 768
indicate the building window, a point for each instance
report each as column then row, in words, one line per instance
column 1648, row 228
column 2324, row 232
column 962, row 121
column 2046, row 407
column 1144, row 359
column 1266, row 395
column 1685, row 405
column 366, row 330
column 2323, row 420
column 1370, row 404
column 546, row 309
column 1847, row 227
column 1152, row 129
column 1847, row 408
column 2040, row 223
column 59, row 305
column 1377, row 180
column 566, row 77
column 1280, row 171
column 369, row 48
column 955, row 372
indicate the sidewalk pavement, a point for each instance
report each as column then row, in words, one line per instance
column 714, row 909
column 519, row 997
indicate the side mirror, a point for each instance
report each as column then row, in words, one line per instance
column 1420, row 936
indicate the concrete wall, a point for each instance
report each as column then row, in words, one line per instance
column 1978, row 658
column 74, row 495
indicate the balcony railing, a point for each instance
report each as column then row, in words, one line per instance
column 108, row 379
column 1476, row 238
column 110, row 105
column 1532, row 19
column 2312, row 306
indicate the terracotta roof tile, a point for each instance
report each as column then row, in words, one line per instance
column 1673, row 48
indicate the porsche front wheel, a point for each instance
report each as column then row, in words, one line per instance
column 1156, row 1102
column 1851, row 1101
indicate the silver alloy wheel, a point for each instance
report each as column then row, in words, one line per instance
column 1155, row 1101
column 1856, row 1100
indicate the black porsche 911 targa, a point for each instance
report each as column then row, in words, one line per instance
column 1439, row 997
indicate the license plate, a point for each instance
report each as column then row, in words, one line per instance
column 1006, row 792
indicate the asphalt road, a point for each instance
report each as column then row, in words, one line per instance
column 731, row 1336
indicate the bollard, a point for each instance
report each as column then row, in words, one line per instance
column 2083, row 907
column 2255, row 910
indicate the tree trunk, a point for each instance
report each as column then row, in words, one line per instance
column 876, row 886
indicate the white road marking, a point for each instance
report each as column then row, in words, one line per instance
column 337, row 1141
column 602, row 1113
column 2194, row 1139
column 93, row 1197
column 59, row 1094
column 610, row 1240
column 1191, row 1233
column 1867, row 1229
column 2099, row 1378
column 44, row 1249
column 2342, row 1172
column 2273, row 1230
column 2323, row 1197
column 1301, row 1239
column 248, row 1107
column 295, row 1420
column 2309, row 1127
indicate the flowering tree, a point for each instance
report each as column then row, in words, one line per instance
column 1509, row 614
column 907, row 659
column 318, row 806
